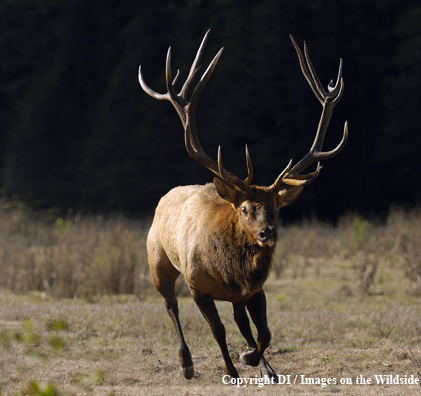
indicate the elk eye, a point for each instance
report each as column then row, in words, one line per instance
column 244, row 210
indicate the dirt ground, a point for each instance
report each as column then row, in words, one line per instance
column 149, row 375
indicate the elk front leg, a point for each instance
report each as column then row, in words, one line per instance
column 208, row 309
column 256, row 306
column 243, row 323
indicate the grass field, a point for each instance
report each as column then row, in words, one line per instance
column 78, row 315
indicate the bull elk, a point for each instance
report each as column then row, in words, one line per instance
column 221, row 236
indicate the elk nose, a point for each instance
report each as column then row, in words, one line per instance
column 268, row 234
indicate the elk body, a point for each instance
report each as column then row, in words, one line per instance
column 221, row 236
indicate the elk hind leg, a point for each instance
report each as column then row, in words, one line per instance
column 186, row 363
column 163, row 276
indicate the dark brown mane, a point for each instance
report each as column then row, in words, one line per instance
column 242, row 266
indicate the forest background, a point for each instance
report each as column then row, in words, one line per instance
column 78, row 133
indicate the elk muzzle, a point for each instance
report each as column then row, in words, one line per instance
column 267, row 236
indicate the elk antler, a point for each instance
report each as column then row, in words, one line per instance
column 328, row 100
column 186, row 109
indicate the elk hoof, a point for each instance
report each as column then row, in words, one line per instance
column 267, row 370
column 188, row 372
column 249, row 358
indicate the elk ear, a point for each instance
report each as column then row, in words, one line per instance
column 288, row 195
column 227, row 192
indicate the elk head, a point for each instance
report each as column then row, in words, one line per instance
column 255, row 206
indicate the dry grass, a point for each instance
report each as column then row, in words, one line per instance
column 71, row 257
column 342, row 302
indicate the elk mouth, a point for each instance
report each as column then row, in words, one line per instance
column 268, row 244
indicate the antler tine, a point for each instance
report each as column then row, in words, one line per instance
column 279, row 180
column 332, row 90
column 339, row 94
column 298, row 180
column 170, row 85
column 232, row 179
column 206, row 75
column 311, row 76
column 313, row 73
column 195, row 66
column 332, row 153
column 148, row 90
column 303, row 180
column 249, row 168
column 305, row 71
